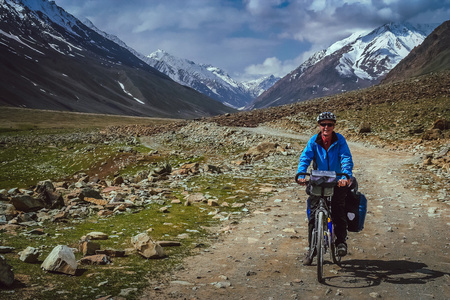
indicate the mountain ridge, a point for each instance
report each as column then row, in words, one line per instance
column 68, row 66
column 208, row 79
column 433, row 55
column 358, row 61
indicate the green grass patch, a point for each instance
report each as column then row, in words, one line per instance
column 132, row 271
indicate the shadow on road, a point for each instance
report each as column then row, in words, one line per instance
column 365, row 273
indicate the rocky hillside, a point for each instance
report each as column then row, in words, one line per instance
column 51, row 60
column 433, row 55
column 356, row 62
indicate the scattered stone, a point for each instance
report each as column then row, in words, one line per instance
column 61, row 260
column 164, row 209
column 6, row 249
column 169, row 243
column 196, row 198
column 111, row 252
column 441, row 124
column 212, row 169
column 365, row 128
column 127, row 292
column 260, row 151
column 6, row 273
column 60, row 217
column 213, row 202
column 221, row 284
column 89, row 192
column 8, row 210
column 30, row 255
column 98, row 259
column 87, row 247
column 181, row 282
column 96, row 201
column 52, row 199
column 96, row 235
column 146, row 247
column 118, row 180
column 36, row 231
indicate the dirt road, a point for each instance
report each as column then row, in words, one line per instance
column 403, row 252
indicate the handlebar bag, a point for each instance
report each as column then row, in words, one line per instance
column 322, row 183
column 323, row 178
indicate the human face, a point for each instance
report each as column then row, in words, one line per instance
column 326, row 127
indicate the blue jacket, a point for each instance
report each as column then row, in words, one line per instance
column 338, row 157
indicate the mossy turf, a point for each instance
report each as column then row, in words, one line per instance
column 92, row 281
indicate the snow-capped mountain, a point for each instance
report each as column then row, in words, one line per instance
column 432, row 55
column 258, row 86
column 209, row 80
column 358, row 61
column 51, row 60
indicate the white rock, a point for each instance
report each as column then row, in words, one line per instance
column 95, row 235
column 146, row 247
column 61, row 260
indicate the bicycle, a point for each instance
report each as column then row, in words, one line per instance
column 322, row 184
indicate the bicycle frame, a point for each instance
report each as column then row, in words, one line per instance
column 323, row 237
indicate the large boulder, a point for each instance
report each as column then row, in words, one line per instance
column 52, row 199
column 47, row 193
column 146, row 247
column 6, row 273
column 27, row 203
column 61, row 260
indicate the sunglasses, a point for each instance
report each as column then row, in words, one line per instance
column 326, row 124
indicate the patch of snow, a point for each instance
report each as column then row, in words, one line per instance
column 128, row 93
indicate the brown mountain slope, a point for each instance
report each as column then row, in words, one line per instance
column 431, row 56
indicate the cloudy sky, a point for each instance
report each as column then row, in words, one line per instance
column 247, row 38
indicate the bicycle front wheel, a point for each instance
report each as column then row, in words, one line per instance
column 320, row 246
column 335, row 257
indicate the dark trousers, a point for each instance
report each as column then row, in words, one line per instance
column 338, row 214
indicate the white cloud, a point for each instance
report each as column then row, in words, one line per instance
column 247, row 37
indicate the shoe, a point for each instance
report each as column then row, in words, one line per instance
column 307, row 261
column 342, row 249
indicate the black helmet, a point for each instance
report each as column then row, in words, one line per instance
column 326, row 116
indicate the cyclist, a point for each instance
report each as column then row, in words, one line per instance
column 329, row 152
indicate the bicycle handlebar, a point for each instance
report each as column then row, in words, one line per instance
column 309, row 174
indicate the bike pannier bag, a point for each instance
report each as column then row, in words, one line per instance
column 356, row 207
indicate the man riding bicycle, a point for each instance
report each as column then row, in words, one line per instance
column 329, row 152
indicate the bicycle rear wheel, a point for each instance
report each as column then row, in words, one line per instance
column 320, row 246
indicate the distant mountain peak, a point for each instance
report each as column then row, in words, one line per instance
column 358, row 61
column 52, row 60
column 205, row 78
